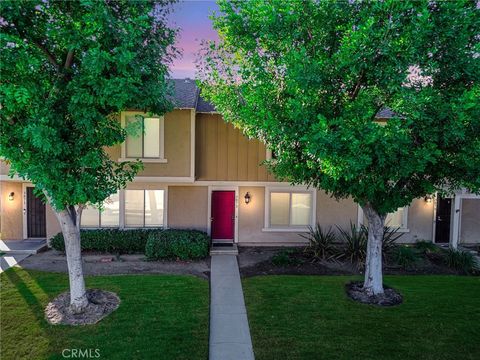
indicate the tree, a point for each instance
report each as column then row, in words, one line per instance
column 309, row 77
column 68, row 68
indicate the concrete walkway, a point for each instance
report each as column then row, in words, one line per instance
column 229, row 331
column 16, row 251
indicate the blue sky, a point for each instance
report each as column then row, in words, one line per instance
column 191, row 16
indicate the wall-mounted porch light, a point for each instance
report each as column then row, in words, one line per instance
column 428, row 198
column 11, row 196
column 247, row 197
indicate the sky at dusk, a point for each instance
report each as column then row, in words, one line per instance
column 191, row 16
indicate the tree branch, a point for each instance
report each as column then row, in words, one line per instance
column 69, row 60
column 39, row 45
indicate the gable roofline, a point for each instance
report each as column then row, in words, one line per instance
column 187, row 95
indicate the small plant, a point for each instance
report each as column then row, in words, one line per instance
column 405, row 256
column 389, row 242
column 355, row 248
column 462, row 261
column 284, row 258
column 321, row 243
column 424, row 246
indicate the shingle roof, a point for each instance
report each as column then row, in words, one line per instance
column 204, row 106
column 185, row 93
column 385, row 113
column 187, row 96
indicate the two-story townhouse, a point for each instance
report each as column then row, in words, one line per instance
column 202, row 173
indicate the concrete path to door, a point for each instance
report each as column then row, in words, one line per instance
column 16, row 251
column 229, row 332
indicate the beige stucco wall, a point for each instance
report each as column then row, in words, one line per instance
column 419, row 222
column 177, row 140
column 252, row 220
column 188, row 207
column 53, row 226
column 470, row 221
column 331, row 212
column 11, row 212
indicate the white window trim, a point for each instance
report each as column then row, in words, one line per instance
column 290, row 189
column 121, row 221
column 403, row 229
column 86, row 227
column 161, row 158
column 165, row 206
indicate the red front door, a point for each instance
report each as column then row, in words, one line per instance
column 223, row 215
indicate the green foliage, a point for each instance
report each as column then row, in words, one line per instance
column 68, row 68
column 406, row 256
column 112, row 241
column 309, row 77
column 425, row 246
column 321, row 243
column 177, row 244
column 460, row 260
column 355, row 247
column 285, row 258
column 389, row 240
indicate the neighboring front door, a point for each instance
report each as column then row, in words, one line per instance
column 36, row 222
column 442, row 222
column 223, row 215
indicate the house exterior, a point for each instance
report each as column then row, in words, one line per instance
column 202, row 173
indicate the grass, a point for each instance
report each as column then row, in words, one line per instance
column 160, row 316
column 310, row 317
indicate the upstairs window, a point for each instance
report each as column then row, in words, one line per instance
column 148, row 142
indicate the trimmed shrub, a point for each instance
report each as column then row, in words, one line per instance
column 113, row 241
column 177, row 244
column 462, row 261
column 284, row 258
column 406, row 256
column 321, row 243
column 425, row 246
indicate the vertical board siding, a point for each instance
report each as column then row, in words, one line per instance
column 223, row 153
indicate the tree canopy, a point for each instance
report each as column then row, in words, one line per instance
column 67, row 69
column 309, row 78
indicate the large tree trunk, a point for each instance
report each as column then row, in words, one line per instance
column 373, row 283
column 70, row 224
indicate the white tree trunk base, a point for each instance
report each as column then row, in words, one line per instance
column 100, row 304
column 356, row 291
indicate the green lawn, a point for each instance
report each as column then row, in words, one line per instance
column 160, row 317
column 310, row 317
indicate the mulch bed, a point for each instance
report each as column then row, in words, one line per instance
column 301, row 264
column 390, row 297
column 100, row 304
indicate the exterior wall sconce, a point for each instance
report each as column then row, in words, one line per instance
column 247, row 197
column 428, row 198
column 11, row 196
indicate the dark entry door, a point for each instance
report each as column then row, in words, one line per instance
column 442, row 222
column 36, row 221
column 223, row 215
